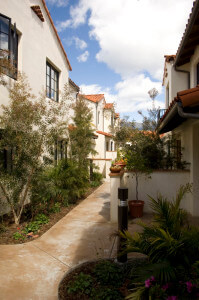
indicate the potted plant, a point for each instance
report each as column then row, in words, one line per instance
column 138, row 162
column 115, row 168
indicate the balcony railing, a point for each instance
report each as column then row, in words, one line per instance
column 160, row 114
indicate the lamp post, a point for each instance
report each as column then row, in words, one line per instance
column 122, row 222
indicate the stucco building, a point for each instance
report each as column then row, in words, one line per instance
column 181, row 114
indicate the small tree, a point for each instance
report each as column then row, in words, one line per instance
column 6, row 66
column 144, row 153
column 30, row 128
column 81, row 133
column 124, row 131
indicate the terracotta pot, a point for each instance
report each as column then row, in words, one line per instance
column 115, row 170
column 136, row 208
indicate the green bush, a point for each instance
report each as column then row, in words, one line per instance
column 18, row 236
column 56, row 207
column 108, row 273
column 96, row 179
column 64, row 183
column 32, row 227
column 172, row 246
column 82, row 284
column 41, row 219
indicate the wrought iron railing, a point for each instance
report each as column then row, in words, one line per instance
column 160, row 114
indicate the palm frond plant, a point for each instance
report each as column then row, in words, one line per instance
column 172, row 247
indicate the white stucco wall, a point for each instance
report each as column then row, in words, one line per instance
column 104, row 166
column 165, row 182
column 37, row 44
column 111, row 154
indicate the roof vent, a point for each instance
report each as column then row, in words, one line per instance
column 37, row 10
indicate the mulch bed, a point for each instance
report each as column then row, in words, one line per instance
column 86, row 268
column 6, row 237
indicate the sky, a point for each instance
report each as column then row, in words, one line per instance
column 117, row 47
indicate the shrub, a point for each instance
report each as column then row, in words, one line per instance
column 82, row 284
column 173, row 250
column 41, row 219
column 18, row 236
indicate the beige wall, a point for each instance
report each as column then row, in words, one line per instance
column 165, row 182
column 37, row 43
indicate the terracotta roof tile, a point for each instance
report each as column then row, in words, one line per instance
column 58, row 38
column 74, row 84
column 104, row 133
column 94, row 98
column 108, row 106
column 192, row 15
column 188, row 98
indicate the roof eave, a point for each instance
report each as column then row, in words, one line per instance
column 55, row 30
column 193, row 16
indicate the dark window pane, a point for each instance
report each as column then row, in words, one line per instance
column 4, row 24
column 55, row 96
column 4, row 41
column 48, row 92
column 52, row 73
column 48, row 81
column 52, row 84
column 48, row 70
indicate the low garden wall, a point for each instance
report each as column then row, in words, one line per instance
column 165, row 182
column 104, row 165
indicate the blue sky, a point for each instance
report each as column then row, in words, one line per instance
column 117, row 47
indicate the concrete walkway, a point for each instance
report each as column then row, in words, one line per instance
column 33, row 270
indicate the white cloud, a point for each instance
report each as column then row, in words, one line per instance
column 133, row 35
column 80, row 44
column 63, row 25
column 130, row 95
column 83, row 57
column 58, row 3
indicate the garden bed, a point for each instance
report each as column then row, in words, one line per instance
column 8, row 228
column 98, row 280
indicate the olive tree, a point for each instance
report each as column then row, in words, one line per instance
column 29, row 129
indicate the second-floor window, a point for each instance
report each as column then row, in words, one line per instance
column 52, row 82
column 9, row 43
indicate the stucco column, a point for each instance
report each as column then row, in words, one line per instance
column 115, row 182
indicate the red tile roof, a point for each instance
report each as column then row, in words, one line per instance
column 74, row 84
column 58, row 38
column 94, row 98
column 117, row 115
column 38, row 12
column 104, row 133
column 188, row 98
column 193, row 20
column 108, row 106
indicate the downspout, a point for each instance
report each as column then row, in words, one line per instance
column 186, row 115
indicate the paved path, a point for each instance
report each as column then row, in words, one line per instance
column 33, row 270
